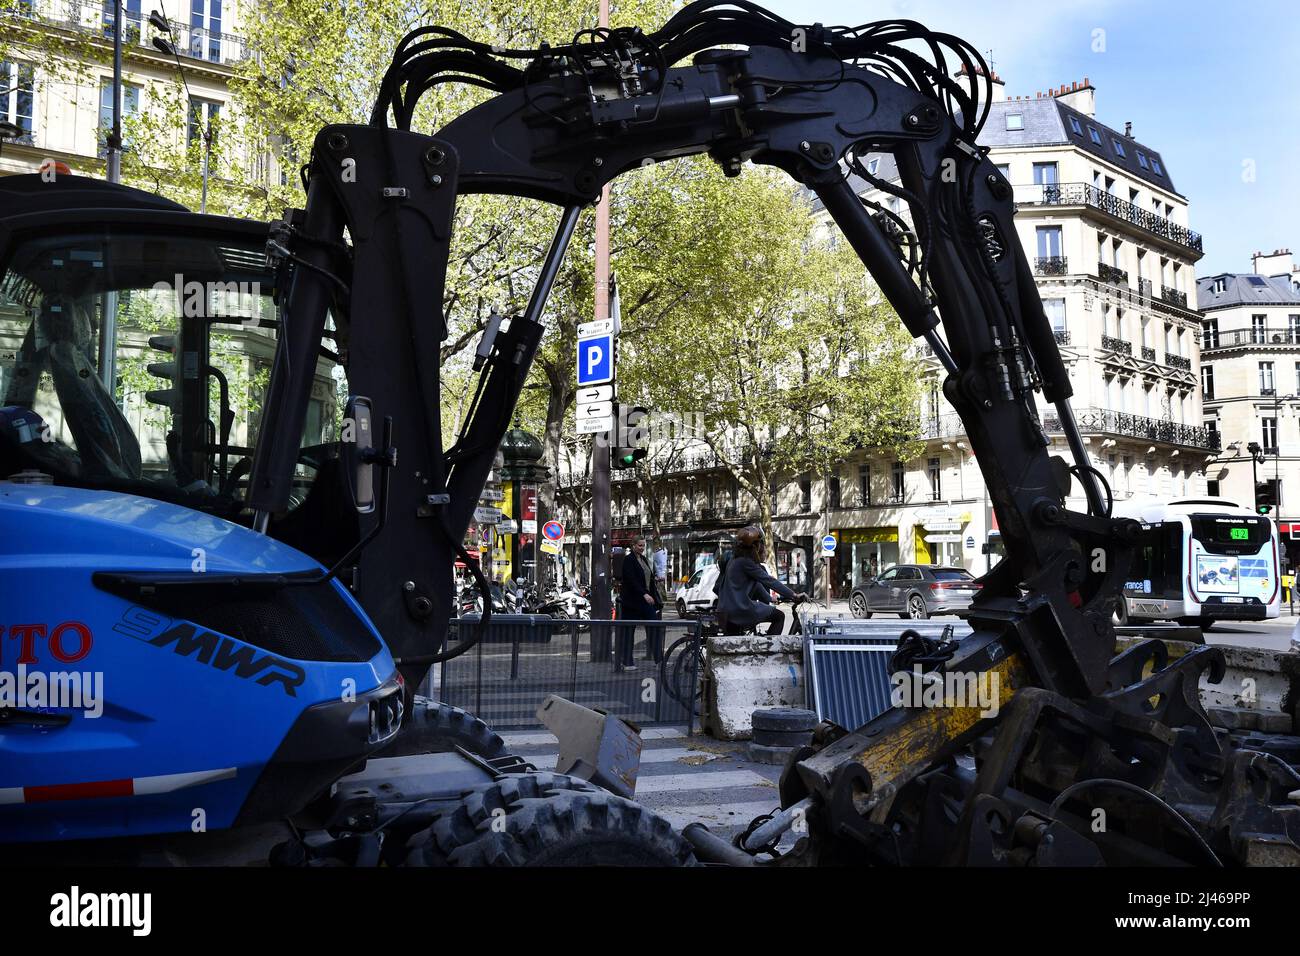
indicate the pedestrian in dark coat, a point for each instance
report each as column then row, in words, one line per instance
column 641, row 602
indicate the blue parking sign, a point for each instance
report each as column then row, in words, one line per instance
column 596, row 360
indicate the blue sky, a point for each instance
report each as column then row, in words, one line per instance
column 1209, row 85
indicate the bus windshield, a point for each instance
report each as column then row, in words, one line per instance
column 1231, row 534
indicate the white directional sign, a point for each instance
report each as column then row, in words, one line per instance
column 596, row 417
column 595, row 360
column 487, row 515
column 507, row 526
column 596, row 393
column 588, row 330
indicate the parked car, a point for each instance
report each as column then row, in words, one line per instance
column 915, row 591
column 699, row 593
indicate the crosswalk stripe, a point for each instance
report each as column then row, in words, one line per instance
column 539, row 738
column 706, row 780
column 717, row 815
column 666, row 755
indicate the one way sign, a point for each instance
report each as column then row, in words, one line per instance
column 595, row 360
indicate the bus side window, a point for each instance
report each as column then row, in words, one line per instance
column 1173, row 569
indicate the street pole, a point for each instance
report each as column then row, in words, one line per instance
column 207, row 154
column 114, row 143
column 113, row 159
column 600, row 583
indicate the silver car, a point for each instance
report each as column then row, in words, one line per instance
column 915, row 591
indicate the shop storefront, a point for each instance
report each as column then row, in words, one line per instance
column 861, row 554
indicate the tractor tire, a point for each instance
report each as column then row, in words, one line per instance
column 547, row 819
column 434, row 727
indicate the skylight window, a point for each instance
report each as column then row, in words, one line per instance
column 1142, row 159
column 1075, row 125
column 1015, row 121
column 1096, row 137
column 873, row 165
column 1119, row 148
column 1155, row 167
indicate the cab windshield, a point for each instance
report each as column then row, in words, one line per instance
column 138, row 361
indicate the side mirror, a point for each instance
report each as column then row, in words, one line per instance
column 360, row 466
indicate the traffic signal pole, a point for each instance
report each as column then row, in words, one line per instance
column 601, row 603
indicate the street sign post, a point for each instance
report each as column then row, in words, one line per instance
column 553, row 531
column 828, row 545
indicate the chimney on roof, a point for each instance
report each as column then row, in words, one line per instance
column 996, row 83
column 1079, row 96
column 1275, row 263
column 1128, row 129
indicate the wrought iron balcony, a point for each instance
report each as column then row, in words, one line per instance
column 96, row 19
column 1109, row 273
column 1254, row 337
column 1177, row 361
column 1111, row 344
column 1051, row 265
column 1173, row 296
column 1148, row 353
column 1105, row 421
column 1085, row 194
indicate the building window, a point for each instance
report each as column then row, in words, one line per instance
column 864, row 484
column 1212, row 488
column 1211, row 329
column 1207, row 381
column 1142, row 159
column 1055, row 311
column 1075, row 125
column 1297, row 378
column 1266, row 384
column 130, row 106
column 203, row 114
column 896, row 473
column 1155, row 167
column 805, row 494
column 1212, row 426
column 1045, row 174
column 936, row 477
column 1220, row 286
column 1096, row 137
column 1119, row 148
column 1049, row 242
column 130, row 23
column 1005, row 170
column 205, row 30
column 1015, row 121
column 18, row 97
column 1268, row 434
column 834, row 490
column 873, row 165
column 1258, row 327
column 1293, row 330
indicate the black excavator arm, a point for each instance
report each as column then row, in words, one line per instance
column 812, row 101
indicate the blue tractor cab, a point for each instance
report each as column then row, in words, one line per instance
column 163, row 667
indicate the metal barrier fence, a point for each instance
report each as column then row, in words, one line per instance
column 523, row 657
column 846, row 664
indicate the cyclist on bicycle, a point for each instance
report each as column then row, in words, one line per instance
column 744, row 588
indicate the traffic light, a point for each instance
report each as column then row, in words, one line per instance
column 169, row 397
column 1264, row 509
column 633, row 429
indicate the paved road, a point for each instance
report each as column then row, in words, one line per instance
column 685, row 779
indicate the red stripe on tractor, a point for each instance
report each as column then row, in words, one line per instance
column 79, row 791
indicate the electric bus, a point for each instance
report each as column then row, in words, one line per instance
column 1201, row 560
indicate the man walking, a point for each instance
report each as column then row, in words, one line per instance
column 661, row 570
column 641, row 602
